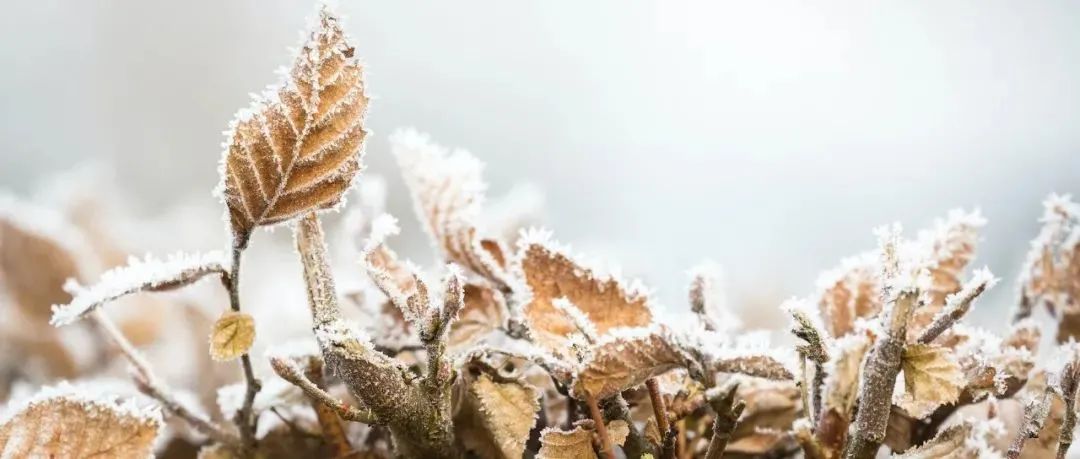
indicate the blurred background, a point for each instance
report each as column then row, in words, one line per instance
column 770, row 137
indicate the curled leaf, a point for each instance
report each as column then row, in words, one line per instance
column 149, row 274
column 578, row 443
column 449, row 192
column 294, row 150
column 232, row 336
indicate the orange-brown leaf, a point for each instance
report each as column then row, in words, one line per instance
column 296, row 151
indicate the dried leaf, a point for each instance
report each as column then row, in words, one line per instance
column 232, row 336
column 842, row 381
column 578, row 443
column 966, row 440
column 951, row 246
column 1051, row 274
column 849, row 292
column 295, row 150
column 559, row 444
column 484, row 311
column 60, row 423
column 499, row 415
column 448, row 191
column 931, row 378
column 147, row 275
column 771, row 409
column 625, row 360
column 551, row 274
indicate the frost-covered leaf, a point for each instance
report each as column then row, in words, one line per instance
column 1051, row 273
column 551, row 273
column 849, row 292
column 841, row 388
column 932, row 377
column 62, row 422
column 626, row 359
column 149, row 274
column 498, row 416
column 771, row 409
column 295, row 150
column 232, row 336
column 448, row 192
column 578, row 443
column 484, row 311
column 949, row 247
column 966, row 440
column 560, row 444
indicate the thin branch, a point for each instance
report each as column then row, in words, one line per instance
column 1035, row 413
column 292, row 373
column 601, row 429
column 245, row 418
column 1070, row 382
column 660, row 411
column 727, row 418
column 958, row 306
column 149, row 384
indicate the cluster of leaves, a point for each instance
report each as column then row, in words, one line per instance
column 514, row 346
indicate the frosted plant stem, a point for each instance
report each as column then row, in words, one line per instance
column 245, row 418
column 662, row 424
column 292, row 374
column 149, row 384
column 727, row 418
column 601, row 429
column 878, row 381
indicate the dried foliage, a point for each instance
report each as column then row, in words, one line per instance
column 295, row 149
column 511, row 346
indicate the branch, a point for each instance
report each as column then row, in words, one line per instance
column 635, row 445
column 660, row 411
column 1035, row 413
column 245, row 418
column 292, row 373
column 727, row 418
column 1069, row 383
column 149, row 384
column 419, row 425
column 957, row 306
column 601, row 429
column 878, row 381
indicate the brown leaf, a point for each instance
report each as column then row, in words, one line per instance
column 295, row 150
column 497, row 417
column 551, row 274
column 849, row 292
column 578, row 443
column 625, row 360
column 1051, row 274
column 560, row 444
column 449, row 192
column 232, row 336
column 484, row 311
column 842, row 382
column 959, row 441
column 771, row 409
column 64, row 425
column 951, row 245
column 932, row 377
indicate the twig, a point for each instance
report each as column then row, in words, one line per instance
column 727, row 418
column 601, row 429
column 292, row 373
column 149, row 384
column 1069, row 383
column 1035, row 413
column 660, row 411
column 878, row 381
column 959, row 305
column 636, row 445
column 245, row 418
